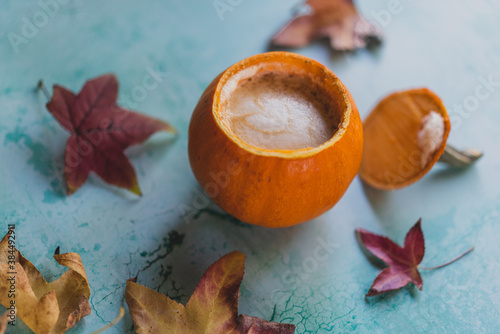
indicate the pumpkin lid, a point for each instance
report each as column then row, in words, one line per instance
column 405, row 135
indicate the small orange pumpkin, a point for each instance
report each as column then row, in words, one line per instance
column 274, row 188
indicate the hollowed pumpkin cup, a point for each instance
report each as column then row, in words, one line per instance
column 274, row 187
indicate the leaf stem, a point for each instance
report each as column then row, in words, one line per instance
column 114, row 322
column 449, row 262
column 41, row 86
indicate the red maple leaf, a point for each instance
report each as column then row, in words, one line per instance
column 403, row 261
column 100, row 132
column 338, row 20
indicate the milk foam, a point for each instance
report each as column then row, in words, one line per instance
column 280, row 111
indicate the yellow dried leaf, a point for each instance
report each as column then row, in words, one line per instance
column 213, row 307
column 46, row 308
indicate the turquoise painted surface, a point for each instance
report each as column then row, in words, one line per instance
column 446, row 45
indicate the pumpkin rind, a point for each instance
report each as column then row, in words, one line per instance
column 263, row 188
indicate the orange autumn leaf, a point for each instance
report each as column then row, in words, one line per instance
column 46, row 308
column 213, row 307
column 337, row 20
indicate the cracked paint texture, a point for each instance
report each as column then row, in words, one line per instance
column 312, row 275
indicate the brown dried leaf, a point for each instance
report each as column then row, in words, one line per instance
column 44, row 307
column 338, row 20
